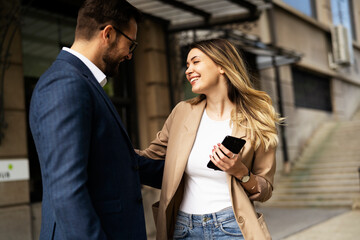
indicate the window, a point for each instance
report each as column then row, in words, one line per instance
column 305, row 6
column 341, row 14
column 311, row 91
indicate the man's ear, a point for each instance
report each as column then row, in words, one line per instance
column 106, row 33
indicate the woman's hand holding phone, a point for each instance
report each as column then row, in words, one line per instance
column 225, row 157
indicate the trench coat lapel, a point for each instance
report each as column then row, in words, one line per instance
column 187, row 139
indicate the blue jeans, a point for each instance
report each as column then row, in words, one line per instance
column 221, row 225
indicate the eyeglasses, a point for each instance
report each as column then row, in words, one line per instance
column 133, row 42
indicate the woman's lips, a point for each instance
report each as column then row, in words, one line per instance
column 192, row 80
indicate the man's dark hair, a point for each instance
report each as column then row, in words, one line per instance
column 95, row 14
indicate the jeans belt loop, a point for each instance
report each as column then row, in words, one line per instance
column 215, row 219
column 191, row 221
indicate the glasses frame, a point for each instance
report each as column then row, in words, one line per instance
column 134, row 43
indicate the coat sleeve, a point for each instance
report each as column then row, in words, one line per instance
column 263, row 168
column 158, row 147
column 60, row 120
column 150, row 171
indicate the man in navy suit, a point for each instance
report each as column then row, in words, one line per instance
column 91, row 175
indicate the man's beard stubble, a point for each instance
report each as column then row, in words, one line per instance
column 111, row 62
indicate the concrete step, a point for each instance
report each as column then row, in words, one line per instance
column 318, row 177
column 318, row 184
column 327, row 165
column 331, row 164
column 356, row 116
column 318, row 196
column 343, row 137
column 309, row 190
column 318, row 171
column 315, row 203
column 329, row 159
column 324, row 157
column 317, row 153
column 333, row 147
column 349, row 124
column 333, row 151
column 326, row 174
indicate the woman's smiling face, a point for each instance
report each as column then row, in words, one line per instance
column 202, row 73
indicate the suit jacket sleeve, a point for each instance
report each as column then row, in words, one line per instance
column 151, row 171
column 61, row 123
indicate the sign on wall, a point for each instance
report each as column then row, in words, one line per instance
column 14, row 170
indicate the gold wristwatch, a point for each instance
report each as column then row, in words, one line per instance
column 245, row 178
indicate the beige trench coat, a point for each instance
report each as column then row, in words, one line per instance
column 174, row 143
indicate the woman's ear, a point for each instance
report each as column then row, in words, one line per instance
column 221, row 70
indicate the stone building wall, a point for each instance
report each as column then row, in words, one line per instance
column 153, row 100
column 15, row 216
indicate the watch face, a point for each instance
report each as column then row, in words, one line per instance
column 245, row 179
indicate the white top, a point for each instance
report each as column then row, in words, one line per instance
column 98, row 74
column 206, row 190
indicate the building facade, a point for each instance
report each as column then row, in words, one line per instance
column 297, row 51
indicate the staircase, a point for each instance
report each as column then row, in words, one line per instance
column 327, row 174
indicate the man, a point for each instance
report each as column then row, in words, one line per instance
column 91, row 174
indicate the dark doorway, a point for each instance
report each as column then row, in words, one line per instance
column 34, row 165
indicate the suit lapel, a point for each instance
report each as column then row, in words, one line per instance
column 109, row 104
column 77, row 63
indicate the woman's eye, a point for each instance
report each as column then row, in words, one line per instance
column 195, row 62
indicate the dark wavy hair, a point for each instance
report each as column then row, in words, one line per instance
column 94, row 14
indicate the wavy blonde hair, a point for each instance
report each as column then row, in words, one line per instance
column 254, row 110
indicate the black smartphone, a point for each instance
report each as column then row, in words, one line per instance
column 234, row 144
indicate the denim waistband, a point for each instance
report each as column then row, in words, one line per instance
column 205, row 219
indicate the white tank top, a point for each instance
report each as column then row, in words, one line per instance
column 206, row 190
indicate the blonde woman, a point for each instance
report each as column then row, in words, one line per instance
column 198, row 202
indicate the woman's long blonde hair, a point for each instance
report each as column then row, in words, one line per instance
column 254, row 110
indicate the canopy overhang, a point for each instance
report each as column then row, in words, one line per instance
column 180, row 15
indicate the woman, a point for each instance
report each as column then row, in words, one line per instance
column 195, row 200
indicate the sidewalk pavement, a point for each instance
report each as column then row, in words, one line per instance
column 312, row 223
column 345, row 227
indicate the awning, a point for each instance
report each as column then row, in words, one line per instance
column 267, row 55
column 190, row 14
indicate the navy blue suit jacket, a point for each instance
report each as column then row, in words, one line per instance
column 91, row 175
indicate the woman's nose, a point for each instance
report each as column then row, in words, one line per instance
column 188, row 71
